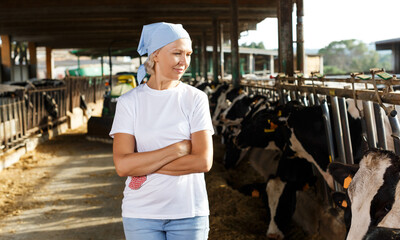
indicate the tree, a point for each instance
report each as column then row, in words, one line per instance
column 343, row 57
column 259, row 45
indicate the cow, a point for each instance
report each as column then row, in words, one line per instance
column 302, row 130
column 205, row 87
column 372, row 199
column 213, row 98
column 242, row 107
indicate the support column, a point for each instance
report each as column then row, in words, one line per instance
column 215, row 50
column 251, row 63
column 300, row 36
column 193, row 60
column 6, row 63
column 32, row 60
column 235, row 43
column 204, row 55
column 285, row 8
column 102, row 65
column 221, row 43
column 199, row 44
column 396, row 58
column 272, row 65
column 49, row 63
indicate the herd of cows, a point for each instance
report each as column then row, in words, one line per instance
column 371, row 196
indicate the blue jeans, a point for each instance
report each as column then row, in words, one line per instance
column 195, row 228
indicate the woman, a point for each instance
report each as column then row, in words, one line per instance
column 163, row 143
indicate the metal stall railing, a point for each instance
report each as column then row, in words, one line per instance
column 45, row 107
column 319, row 90
column 40, row 109
column 12, row 123
column 88, row 89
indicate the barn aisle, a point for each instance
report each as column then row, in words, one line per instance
column 68, row 189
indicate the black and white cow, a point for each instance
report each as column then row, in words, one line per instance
column 302, row 130
column 213, row 98
column 372, row 199
column 225, row 100
column 206, row 87
column 241, row 108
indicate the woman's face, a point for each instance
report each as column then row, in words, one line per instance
column 173, row 59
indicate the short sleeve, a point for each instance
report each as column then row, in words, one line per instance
column 201, row 118
column 123, row 119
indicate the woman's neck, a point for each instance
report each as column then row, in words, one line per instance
column 156, row 84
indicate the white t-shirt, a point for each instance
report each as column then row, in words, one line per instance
column 158, row 118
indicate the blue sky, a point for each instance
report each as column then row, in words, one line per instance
column 333, row 20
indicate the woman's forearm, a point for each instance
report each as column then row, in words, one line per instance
column 187, row 164
column 130, row 163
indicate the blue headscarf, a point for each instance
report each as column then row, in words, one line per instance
column 155, row 36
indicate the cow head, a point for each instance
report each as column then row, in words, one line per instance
column 373, row 192
column 259, row 130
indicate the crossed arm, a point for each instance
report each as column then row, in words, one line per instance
column 181, row 158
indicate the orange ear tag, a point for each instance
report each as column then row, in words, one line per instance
column 266, row 130
column 255, row 193
column 274, row 126
column 344, row 204
column 347, row 182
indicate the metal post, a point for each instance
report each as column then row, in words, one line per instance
column 102, row 65
column 370, row 127
column 329, row 136
column 316, row 100
column 338, row 129
column 394, row 123
column 204, row 56
column 222, row 60
column 300, row 37
column 346, row 131
column 380, row 128
column 293, row 95
column 49, row 63
column 235, row 43
column 285, row 8
column 215, row 50
column 311, row 99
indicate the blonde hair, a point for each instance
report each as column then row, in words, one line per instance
column 149, row 63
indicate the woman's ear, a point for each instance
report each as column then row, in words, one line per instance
column 155, row 56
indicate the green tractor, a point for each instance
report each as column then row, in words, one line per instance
column 98, row 128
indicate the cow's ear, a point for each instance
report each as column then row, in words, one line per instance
column 342, row 173
column 340, row 199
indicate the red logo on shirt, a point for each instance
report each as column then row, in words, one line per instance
column 137, row 182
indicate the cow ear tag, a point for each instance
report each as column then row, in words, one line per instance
column 274, row 126
column 347, row 182
column 344, row 204
column 255, row 193
column 279, row 113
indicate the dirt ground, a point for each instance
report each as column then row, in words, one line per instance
column 68, row 189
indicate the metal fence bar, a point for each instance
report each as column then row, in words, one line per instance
column 394, row 123
column 346, row 131
column 3, row 116
column 367, row 106
column 337, row 126
column 380, row 128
